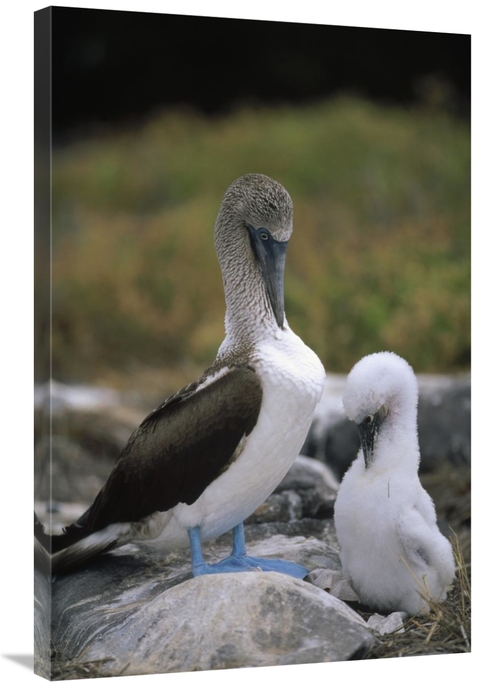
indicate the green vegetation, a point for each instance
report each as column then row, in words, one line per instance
column 379, row 259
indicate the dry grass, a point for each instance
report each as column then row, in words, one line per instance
column 79, row 671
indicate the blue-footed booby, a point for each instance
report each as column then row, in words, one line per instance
column 390, row 546
column 208, row 456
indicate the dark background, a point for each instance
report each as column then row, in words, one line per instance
column 113, row 67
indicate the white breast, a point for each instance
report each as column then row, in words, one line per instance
column 372, row 517
column 292, row 378
column 365, row 521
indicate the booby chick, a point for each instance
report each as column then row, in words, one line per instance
column 208, row 456
column 390, row 546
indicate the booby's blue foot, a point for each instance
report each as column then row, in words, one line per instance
column 277, row 565
column 230, row 564
column 224, row 566
column 199, row 567
column 238, row 561
column 267, row 564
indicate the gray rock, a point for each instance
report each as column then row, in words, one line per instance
column 42, row 614
column 444, row 420
column 333, row 582
column 57, row 397
column 315, row 484
column 65, row 471
column 138, row 611
column 309, row 551
column 216, row 621
column 283, row 507
column 385, row 624
column 308, row 490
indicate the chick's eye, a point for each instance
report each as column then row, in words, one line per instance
column 368, row 420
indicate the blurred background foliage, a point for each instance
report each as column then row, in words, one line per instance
column 379, row 258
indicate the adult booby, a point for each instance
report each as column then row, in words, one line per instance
column 390, row 546
column 208, row 456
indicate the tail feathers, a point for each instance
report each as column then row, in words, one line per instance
column 76, row 546
column 63, row 552
column 71, row 535
column 56, row 542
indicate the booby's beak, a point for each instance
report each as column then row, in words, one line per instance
column 271, row 257
column 368, row 430
column 367, row 436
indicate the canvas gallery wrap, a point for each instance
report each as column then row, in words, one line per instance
column 252, row 355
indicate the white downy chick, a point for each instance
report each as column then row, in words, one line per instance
column 390, row 546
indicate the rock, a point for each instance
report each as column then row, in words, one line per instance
column 333, row 582
column 42, row 616
column 444, row 418
column 307, row 491
column 89, row 427
column 444, row 421
column 65, row 471
column 386, row 624
column 101, row 431
column 283, row 507
column 316, row 485
column 305, row 549
column 135, row 611
column 214, row 621
column 56, row 397
column 341, row 446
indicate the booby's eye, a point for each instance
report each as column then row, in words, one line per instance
column 264, row 235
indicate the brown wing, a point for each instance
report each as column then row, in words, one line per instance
column 178, row 450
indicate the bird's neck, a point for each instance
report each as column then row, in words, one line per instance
column 397, row 446
column 249, row 315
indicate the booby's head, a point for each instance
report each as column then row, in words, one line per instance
column 252, row 231
column 381, row 392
